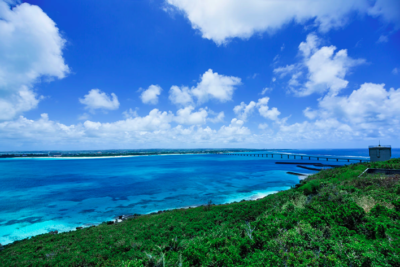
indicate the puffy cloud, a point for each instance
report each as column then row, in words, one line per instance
column 368, row 112
column 234, row 131
column 186, row 116
column 150, row 95
column 222, row 20
column 271, row 114
column 215, row 86
column 30, row 48
column 326, row 69
column 156, row 120
column 243, row 110
column 306, row 132
column 97, row 99
column 212, row 86
column 152, row 130
column 265, row 111
column 395, row 71
column 180, row 96
column 13, row 104
column 369, row 105
column 42, row 130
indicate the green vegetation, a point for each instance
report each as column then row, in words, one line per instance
column 333, row 218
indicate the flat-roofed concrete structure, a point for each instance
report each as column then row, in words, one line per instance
column 380, row 153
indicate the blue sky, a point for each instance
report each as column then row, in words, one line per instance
column 199, row 73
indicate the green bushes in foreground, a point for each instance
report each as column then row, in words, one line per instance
column 333, row 218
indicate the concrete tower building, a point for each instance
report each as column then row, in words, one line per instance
column 380, row 153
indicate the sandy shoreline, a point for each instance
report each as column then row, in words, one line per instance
column 108, row 157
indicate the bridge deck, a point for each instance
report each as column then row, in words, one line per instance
column 294, row 156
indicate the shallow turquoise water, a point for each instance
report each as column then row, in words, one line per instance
column 41, row 195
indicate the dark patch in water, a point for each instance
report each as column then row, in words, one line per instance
column 29, row 220
column 175, row 197
column 244, row 191
column 87, row 211
column 142, row 202
column 52, row 206
column 62, row 209
column 120, row 198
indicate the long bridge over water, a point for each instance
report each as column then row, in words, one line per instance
column 294, row 156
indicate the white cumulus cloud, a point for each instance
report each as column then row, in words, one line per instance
column 97, row 99
column 222, row 20
column 150, row 131
column 150, row 95
column 13, row 104
column 265, row 111
column 212, row 86
column 30, row 49
column 368, row 112
column 325, row 68
column 371, row 104
column 186, row 116
column 234, row 132
column 215, row 86
column 243, row 110
column 180, row 96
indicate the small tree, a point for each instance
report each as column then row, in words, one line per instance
column 208, row 206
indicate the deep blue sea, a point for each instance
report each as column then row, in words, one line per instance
column 42, row 195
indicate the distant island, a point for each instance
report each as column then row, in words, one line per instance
column 120, row 153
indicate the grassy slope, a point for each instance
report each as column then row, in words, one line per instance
column 333, row 218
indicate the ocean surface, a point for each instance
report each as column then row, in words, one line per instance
column 42, row 195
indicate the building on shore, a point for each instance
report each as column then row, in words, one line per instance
column 380, row 153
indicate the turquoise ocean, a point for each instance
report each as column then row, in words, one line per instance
column 42, row 195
